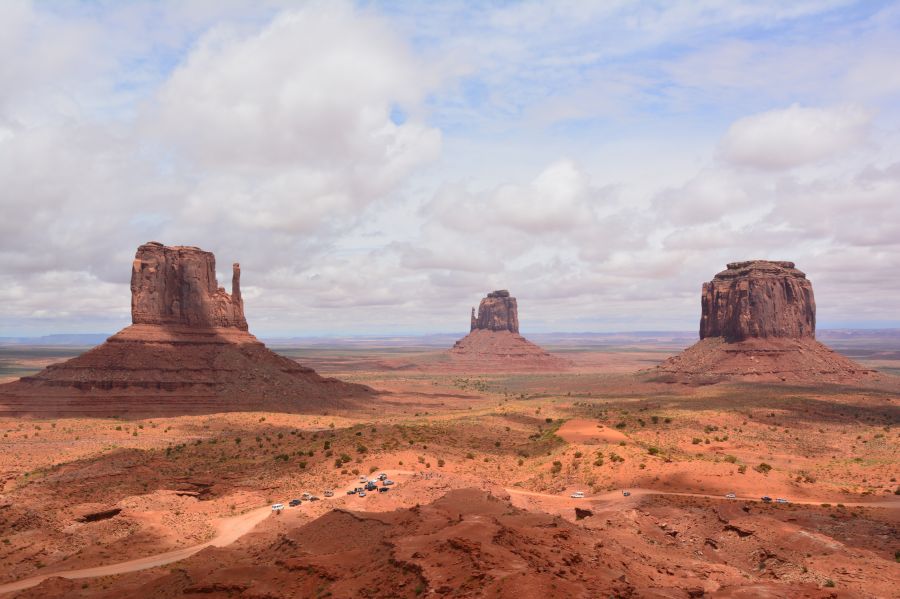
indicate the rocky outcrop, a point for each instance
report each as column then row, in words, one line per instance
column 758, row 321
column 497, row 312
column 178, row 286
column 187, row 351
column 494, row 343
column 758, row 299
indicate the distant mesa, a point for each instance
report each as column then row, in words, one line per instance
column 758, row 320
column 496, row 312
column 188, row 350
column 494, row 343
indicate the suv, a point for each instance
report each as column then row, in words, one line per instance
column 781, row 500
column 387, row 482
column 731, row 496
column 382, row 476
column 766, row 499
column 328, row 493
column 294, row 502
column 370, row 486
column 353, row 491
column 306, row 496
column 626, row 493
column 384, row 489
column 577, row 495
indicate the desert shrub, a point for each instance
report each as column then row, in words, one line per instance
column 654, row 419
column 763, row 468
column 556, row 468
column 578, row 454
column 598, row 462
column 696, row 440
column 372, row 469
column 361, row 448
column 730, row 459
column 653, row 450
column 421, row 459
column 441, row 462
column 620, row 424
column 521, row 462
column 829, row 583
column 470, row 456
column 710, row 428
column 302, row 465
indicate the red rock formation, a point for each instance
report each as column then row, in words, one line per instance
column 177, row 285
column 188, row 350
column 497, row 312
column 758, row 299
column 758, row 321
column 494, row 343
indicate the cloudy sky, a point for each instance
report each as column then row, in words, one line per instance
column 377, row 167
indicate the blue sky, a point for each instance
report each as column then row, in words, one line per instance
column 377, row 167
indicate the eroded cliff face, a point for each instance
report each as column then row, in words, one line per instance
column 758, row 299
column 497, row 312
column 178, row 286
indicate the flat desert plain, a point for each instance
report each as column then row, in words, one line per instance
column 484, row 466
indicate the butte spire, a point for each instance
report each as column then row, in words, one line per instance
column 494, row 342
column 188, row 350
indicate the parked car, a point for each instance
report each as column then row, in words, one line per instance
column 626, row 493
column 731, row 496
column 306, row 496
column 277, row 507
column 353, row 491
column 766, row 499
column 384, row 489
column 781, row 500
column 577, row 495
column 313, row 498
column 370, row 486
column 382, row 476
column 328, row 493
column 362, row 493
column 294, row 502
column 387, row 482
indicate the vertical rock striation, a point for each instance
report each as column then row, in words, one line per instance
column 758, row 299
column 497, row 312
column 178, row 286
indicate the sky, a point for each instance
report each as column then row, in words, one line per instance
column 378, row 167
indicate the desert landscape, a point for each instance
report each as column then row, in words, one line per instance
column 596, row 474
column 518, row 299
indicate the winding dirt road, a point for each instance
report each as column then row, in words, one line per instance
column 617, row 496
column 231, row 529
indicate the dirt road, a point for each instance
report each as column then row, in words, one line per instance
column 229, row 530
column 618, row 496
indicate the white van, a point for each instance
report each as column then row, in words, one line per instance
column 277, row 507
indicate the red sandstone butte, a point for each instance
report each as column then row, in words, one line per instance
column 758, row 321
column 494, row 343
column 188, row 350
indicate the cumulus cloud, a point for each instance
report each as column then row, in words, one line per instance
column 379, row 167
column 797, row 135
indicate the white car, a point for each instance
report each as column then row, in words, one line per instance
column 731, row 496
column 328, row 493
column 277, row 507
column 780, row 500
column 577, row 495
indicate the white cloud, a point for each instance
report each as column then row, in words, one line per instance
column 797, row 135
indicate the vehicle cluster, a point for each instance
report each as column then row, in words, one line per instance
column 360, row 491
